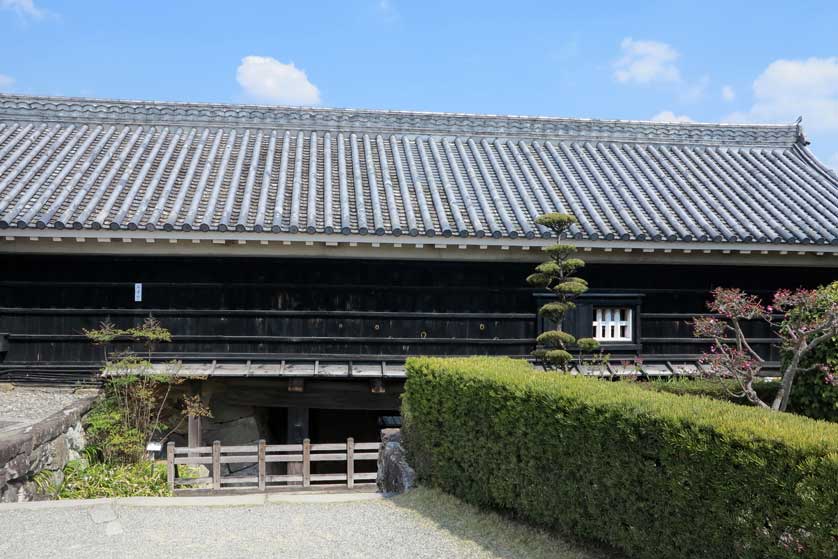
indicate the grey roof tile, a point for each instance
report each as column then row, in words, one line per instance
column 83, row 163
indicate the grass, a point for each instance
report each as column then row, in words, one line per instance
column 498, row 535
column 101, row 479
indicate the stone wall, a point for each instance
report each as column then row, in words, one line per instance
column 44, row 446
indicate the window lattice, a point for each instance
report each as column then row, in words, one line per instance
column 612, row 324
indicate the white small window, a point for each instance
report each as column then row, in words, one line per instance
column 612, row 324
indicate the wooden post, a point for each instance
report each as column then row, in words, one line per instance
column 193, row 429
column 216, row 465
column 193, row 433
column 170, row 465
column 350, row 462
column 306, row 463
column 297, row 431
column 261, row 459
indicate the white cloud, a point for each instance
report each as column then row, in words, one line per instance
column 268, row 79
column 653, row 62
column 6, row 82
column 787, row 89
column 646, row 62
column 23, row 8
column 669, row 116
column 728, row 94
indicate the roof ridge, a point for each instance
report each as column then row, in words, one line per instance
column 30, row 107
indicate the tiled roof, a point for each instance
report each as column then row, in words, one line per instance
column 87, row 164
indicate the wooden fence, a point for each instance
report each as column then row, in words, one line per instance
column 297, row 457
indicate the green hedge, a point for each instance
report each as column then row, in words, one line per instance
column 710, row 388
column 655, row 475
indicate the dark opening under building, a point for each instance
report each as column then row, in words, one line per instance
column 299, row 255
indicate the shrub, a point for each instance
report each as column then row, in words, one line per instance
column 83, row 480
column 816, row 395
column 711, row 388
column 109, row 438
column 136, row 394
column 815, row 391
column 649, row 473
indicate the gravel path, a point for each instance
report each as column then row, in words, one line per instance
column 22, row 406
column 369, row 529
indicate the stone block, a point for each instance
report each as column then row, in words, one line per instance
column 395, row 475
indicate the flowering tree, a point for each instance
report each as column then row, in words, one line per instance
column 810, row 320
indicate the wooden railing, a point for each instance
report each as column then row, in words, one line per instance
column 297, row 457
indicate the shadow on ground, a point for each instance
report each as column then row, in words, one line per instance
column 495, row 533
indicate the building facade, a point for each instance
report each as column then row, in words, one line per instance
column 300, row 255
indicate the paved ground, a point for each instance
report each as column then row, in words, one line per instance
column 25, row 405
column 369, row 527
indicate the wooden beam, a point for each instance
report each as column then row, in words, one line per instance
column 193, row 432
column 336, row 394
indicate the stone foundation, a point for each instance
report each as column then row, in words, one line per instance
column 45, row 446
column 235, row 425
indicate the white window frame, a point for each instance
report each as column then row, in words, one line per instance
column 613, row 324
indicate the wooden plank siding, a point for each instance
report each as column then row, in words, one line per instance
column 274, row 307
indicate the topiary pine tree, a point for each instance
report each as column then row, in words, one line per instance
column 557, row 276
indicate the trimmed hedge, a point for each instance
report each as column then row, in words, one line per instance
column 710, row 388
column 649, row 473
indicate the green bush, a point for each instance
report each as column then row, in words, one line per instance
column 109, row 435
column 649, row 473
column 710, row 388
column 83, row 480
column 811, row 395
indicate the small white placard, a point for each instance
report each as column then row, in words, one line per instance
column 138, row 293
column 154, row 447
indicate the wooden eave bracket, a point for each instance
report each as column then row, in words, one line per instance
column 377, row 386
column 296, row 385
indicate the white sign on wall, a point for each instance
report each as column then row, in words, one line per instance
column 138, row 292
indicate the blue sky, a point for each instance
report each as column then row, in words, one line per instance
column 728, row 61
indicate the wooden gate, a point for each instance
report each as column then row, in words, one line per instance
column 297, row 457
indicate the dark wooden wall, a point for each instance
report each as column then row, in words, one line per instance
column 278, row 307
